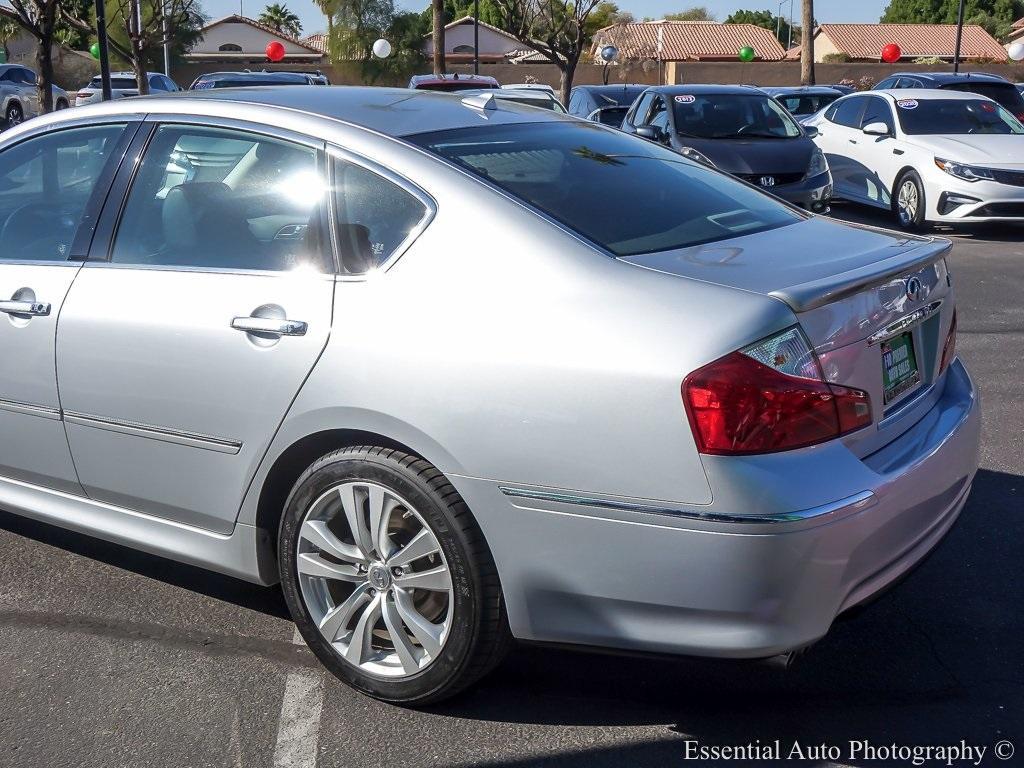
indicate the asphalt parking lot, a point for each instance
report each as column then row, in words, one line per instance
column 112, row 658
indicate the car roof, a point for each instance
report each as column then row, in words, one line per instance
column 942, row 78
column 923, row 94
column 709, row 89
column 813, row 90
column 389, row 111
column 609, row 88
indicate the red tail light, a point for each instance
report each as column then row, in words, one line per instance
column 767, row 398
column 949, row 348
column 83, row 94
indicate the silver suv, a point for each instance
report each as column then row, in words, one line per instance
column 404, row 354
column 19, row 96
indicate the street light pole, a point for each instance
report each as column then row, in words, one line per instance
column 959, row 37
column 476, row 37
column 101, row 42
column 166, row 32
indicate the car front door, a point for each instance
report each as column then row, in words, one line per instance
column 838, row 137
column 28, row 91
column 879, row 157
column 51, row 188
column 197, row 317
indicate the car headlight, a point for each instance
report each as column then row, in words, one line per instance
column 698, row 157
column 965, row 172
column 818, row 164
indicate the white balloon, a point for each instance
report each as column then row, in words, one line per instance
column 1016, row 51
column 382, row 49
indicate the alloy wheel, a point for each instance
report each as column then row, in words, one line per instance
column 374, row 579
column 907, row 202
column 14, row 115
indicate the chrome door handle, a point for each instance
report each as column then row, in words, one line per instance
column 36, row 308
column 273, row 325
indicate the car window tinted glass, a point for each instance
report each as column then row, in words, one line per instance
column 724, row 116
column 807, row 104
column 612, row 116
column 848, row 112
column 374, row 216
column 121, row 84
column 1001, row 93
column 659, row 113
column 877, row 111
column 642, row 108
column 628, row 195
column 955, row 117
column 210, row 198
column 26, row 77
column 45, row 184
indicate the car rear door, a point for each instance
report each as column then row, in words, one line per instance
column 838, row 137
column 200, row 312
column 51, row 188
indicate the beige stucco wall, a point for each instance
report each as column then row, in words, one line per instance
column 490, row 41
column 823, row 46
column 252, row 39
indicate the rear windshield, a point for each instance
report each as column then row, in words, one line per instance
column 117, row 83
column 807, row 104
column 955, row 117
column 534, row 101
column 1003, row 93
column 612, row 116
column 452, row 85
column 623, row 97
column 626, row 194
column 718, row 116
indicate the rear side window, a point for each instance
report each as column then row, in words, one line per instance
column 224, row 199
column 374, row 217
column 627, row 195
column 45, row 186
column 848, row 111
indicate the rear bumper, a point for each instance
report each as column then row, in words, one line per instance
column 640, row 576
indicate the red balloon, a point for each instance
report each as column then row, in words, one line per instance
column 275, row 50
column 891, row 53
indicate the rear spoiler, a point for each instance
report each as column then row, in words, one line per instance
column 922, row 252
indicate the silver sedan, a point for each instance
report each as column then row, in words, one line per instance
column 456, row 371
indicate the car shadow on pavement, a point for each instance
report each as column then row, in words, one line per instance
column 933, row 661
column 265, row 600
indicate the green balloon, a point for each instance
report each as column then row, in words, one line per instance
column 746, row 53
column 94, row 49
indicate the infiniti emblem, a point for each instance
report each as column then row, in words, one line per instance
column 379, row 577
column 914, row 288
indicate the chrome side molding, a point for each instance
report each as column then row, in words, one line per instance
column 857, row 502
column 177, row 436
column 898, row 326
column 29, row 409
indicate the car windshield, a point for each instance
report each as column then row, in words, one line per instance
column 955, row 117
column 806, row 104
column 452, row 85
column 1002, row 93
column 627, row 195
column 612, row 116
column 732, row 116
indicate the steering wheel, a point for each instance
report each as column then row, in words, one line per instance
column 40, row 227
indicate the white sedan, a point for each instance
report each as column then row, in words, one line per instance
column 927, row 155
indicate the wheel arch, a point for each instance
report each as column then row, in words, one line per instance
column 899, row 175
column 295, row 451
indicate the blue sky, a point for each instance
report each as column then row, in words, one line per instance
column 824, row 10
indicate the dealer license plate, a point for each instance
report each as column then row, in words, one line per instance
column 899, row 366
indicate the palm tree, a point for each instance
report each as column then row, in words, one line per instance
column 329, row 8
column 280, row 19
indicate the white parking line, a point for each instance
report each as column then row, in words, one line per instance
column 298, row 727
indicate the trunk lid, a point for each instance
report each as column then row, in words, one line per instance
column 875, row 305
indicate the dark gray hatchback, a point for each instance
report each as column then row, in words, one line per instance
column 739, row 130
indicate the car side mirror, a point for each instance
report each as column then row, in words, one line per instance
column 650, row 132
column 877, row 129
column 811, row 131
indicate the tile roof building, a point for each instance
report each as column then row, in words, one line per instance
column 688, row 41
column 864, row 42
column 239, row 39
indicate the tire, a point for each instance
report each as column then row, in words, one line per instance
column 61, row 104
column 450, row 632
column 14, row 115
column 908, row 201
